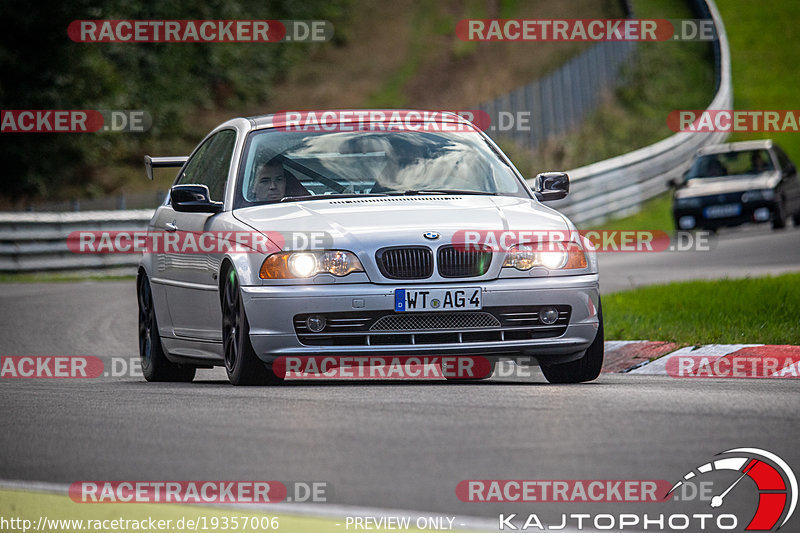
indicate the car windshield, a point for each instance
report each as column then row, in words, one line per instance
column 281, row 166
column 730, row 164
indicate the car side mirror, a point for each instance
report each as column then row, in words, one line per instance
column 193, row 199
column 551, row 186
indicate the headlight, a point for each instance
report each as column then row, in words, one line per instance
column 289, row 265
column 302, row 265
column 758, row 195
column 688, row 202
column 550, row 255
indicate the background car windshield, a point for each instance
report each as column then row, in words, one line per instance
column 730, row 164
column 318, row 164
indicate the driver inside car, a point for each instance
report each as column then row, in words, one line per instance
column 273, row 183
column 270, row 184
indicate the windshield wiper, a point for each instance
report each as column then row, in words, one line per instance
column 328, row 196
column 414, row 192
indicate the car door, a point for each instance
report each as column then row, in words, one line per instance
column 190, row 278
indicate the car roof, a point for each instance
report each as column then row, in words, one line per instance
column 763, row 144
column 346, row 116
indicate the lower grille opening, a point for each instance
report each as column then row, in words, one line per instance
column 383, row 328
column 434, row 321
column 378, row 340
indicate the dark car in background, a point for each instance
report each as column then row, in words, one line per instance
column 736, row 183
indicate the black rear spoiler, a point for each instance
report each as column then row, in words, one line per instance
column 162, row 162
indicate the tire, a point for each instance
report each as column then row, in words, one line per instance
column 796, row 219
column 779, row 216
column 587, row 368
column 155, row 365
column 241, row 362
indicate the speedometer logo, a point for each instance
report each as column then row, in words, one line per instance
column 775, row 482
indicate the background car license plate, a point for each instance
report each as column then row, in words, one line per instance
column 723, row 211
column 463, row 299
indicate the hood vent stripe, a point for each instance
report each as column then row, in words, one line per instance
column 399, row 199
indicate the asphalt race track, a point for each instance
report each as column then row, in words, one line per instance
column 385, row 445
column 736, row 253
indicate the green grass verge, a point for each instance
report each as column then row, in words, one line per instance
column 655, row 214
column 764, row 41
column 758, row 310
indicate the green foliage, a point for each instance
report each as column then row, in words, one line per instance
column 41, row 68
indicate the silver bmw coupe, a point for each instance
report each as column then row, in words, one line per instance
column 362, row 233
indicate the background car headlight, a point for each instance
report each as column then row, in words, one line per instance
column 758, row 195
column 687, row 222
column 289, row 265
column 688, row 202
column 550, row 255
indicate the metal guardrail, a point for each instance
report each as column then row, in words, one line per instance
column 32, row 242
column 617, row 187
column 560, row 101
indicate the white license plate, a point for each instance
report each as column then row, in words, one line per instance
column 463, row 299
column 723, row 211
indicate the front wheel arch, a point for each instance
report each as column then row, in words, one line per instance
column 242, row 364
column 224, row 271
column 588, row 367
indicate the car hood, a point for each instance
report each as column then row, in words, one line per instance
column 727, row 184
column 375, row 222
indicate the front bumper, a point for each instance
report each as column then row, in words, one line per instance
column 271, row 311
column 750, row 212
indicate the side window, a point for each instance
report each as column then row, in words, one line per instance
column 210, row 164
